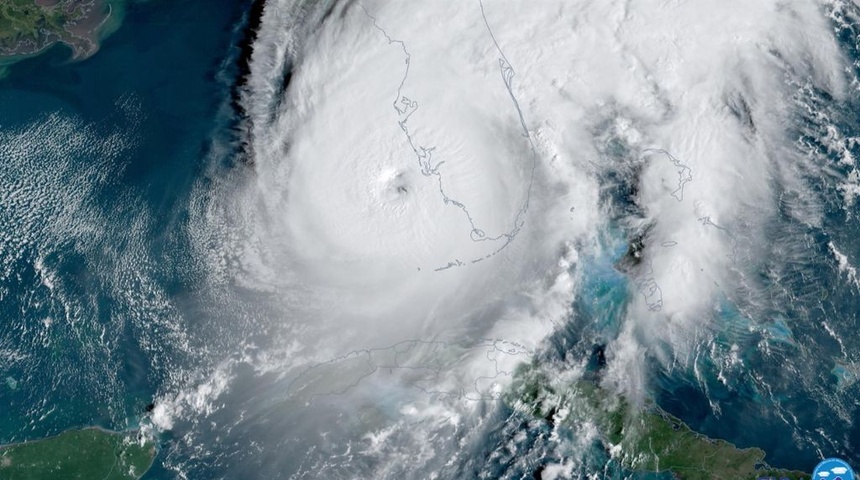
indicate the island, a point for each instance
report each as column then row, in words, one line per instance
column 29, row 27
column 642, row 439
column 91, row 453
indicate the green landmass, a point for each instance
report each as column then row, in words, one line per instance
column 644, row 439
column 89, row 454
column 23, row 20
column 29, row 27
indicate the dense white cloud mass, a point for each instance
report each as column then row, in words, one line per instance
column 435, row 171
column 412, row 214
column 397, row 130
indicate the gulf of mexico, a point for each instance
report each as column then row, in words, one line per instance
column 101, row 156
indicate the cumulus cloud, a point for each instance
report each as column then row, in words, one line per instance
column 437, row 170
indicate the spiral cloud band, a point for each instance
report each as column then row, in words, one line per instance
column 427, row 184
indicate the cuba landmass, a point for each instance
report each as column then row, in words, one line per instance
column 644, row 439
column 87, row 454
column 29, row 27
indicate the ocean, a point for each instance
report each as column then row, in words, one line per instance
column 99, row 159
column 148, row 261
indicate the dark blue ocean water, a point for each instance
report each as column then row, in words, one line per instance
column 801, row 404
column 72, row 353
column 75, row 352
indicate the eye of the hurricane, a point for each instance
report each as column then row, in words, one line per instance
column 393, row 188
column 438, row 173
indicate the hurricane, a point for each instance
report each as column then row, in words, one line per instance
column 426, row 196
column 408, row 211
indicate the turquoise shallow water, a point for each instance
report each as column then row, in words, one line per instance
column 91, row 299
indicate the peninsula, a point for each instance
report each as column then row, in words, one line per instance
column 29, row 27
column 79, row 454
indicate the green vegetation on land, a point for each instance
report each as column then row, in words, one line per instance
column 28, row 27
column 23, row 21
column 86, row 454
column 645, row 439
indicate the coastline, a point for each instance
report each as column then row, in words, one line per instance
column 81, row 453
column 80, row 27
